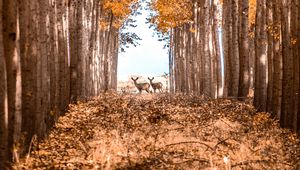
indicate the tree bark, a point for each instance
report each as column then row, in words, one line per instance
column 277, row 63
column 12, row 57
column 206, row 57
column 29, row 56
column 260, row 84
column 287, row 85
column 226, row 32
column 244, row 76
column 294, row 40
column 3, row 99
column 269, row 16
column 234, row 53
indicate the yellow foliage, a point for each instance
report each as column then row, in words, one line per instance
column 252, row 12
column 119, row 9
column 193, row 30
column 294, row 40
column 103, row 25
column 171, row 13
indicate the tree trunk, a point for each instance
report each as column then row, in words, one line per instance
column 12, row 56
column 227, row 33
column 298, row 51
column 206, row 57
column 294, row 40
column 217, row 44
column 234, row 53
column 244, row 76
column 287, row 85
column 260, row 84
column 277, row 63
column 29, row 56
column 3, row 99
column 74, row 82
column 270, row 70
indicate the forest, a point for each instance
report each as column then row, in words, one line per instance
column 233, row 76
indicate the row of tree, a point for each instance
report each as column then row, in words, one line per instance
column 52, row 52
column 232, row 46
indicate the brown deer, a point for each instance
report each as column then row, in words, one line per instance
column 155, row 86
column 141, row 86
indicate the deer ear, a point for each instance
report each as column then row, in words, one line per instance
column 149, row 78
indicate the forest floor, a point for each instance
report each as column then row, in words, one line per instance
column 163, row 131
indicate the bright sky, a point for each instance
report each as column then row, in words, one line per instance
column 148, row 58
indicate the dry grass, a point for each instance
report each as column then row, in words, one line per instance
column 164, row 132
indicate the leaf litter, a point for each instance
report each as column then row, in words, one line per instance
column 164, row 131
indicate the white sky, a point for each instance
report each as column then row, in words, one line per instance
column 148, row 58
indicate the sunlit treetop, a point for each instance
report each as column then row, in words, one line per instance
column 171, row 13
column 117, row 11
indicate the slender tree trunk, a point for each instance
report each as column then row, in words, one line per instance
column 74, row 74
column 198, row 46
column 287, row 86
column 217, row 45
column 187, row 63
column 294, row 40
column 260, row 84
column 171, row 62
column 12, row 56
column 226, row 32
column 234, row 53
column 29, row 56
column 107, row 54
column 213, row 53
column 277, row 63
column 269, row 16
column 244, row 76
column 206, row 57
column 3, row 99
column 53, row 62
column 251, row 57
column 41, row 125
column 298, row 51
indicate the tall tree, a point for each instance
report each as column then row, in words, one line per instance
column 233, row 58
column 270, row 58
column 298, row 47
column 29, row 56
column 295, row 53
column 226, row 38
column 207, row 66
column 12, row 57
column 244, row 76
column 260, row 84
column 3, row 99
column 287, row 79
column 277, row 63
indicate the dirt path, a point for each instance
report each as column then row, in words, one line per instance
column 164, row 132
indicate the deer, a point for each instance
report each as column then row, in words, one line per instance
column 155, row 86
column 141, row 86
